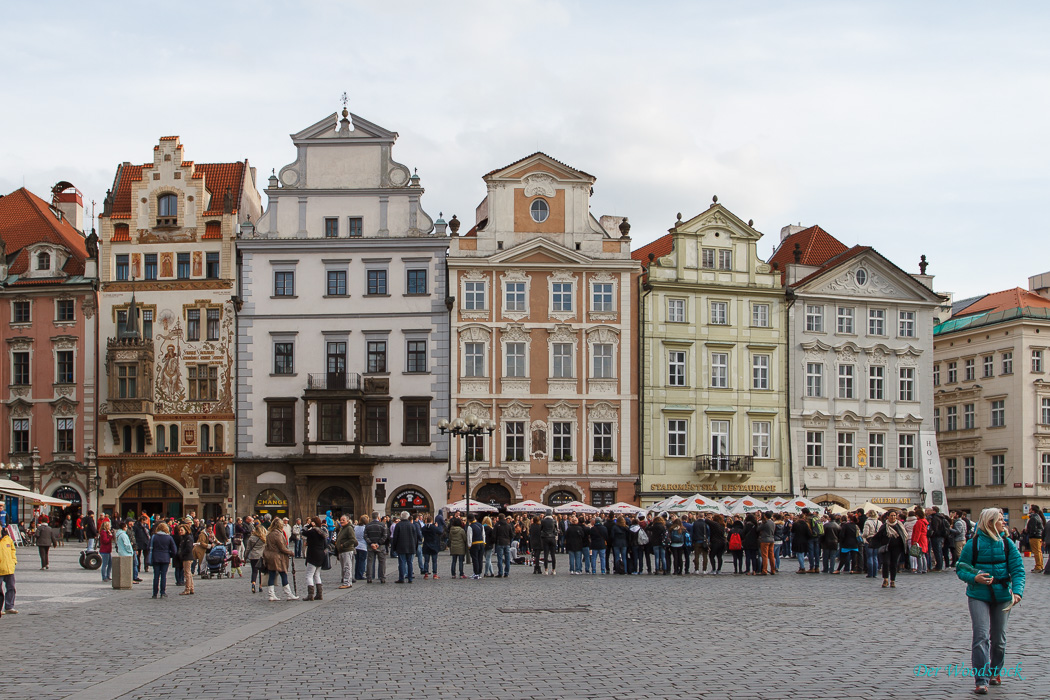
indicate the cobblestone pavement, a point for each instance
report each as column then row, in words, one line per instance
column 789, row 636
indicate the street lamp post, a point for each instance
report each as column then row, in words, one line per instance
column 922, row 497
column 805, row 490
column 470, row 426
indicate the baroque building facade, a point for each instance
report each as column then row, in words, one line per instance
column 860, row 334
column 167, row 318
column 542, row 301
column 48, row 278
column 343, row 336
column 713, row 399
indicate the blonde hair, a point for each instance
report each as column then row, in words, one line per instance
column 986, row 522
column 162, row 527
column 277, row 524
column 487, row 521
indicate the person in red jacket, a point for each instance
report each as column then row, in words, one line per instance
column 919, row 537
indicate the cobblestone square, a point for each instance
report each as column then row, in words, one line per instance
column 789, row 636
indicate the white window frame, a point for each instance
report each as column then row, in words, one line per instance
column 997, row 470
column 814, row 379
column 719, row 370
column 515, row 359
column 675, row 310
column 562, row 297
column 814, row 448
column 725, row 259
column 814, row 318
column 603, row 297
column 475, row 295
column 969, row 416
column 845, row 320
column 998, row 413
column 845, row 449
column 603, row 364
column 906, row 451
column 473, row 356
column 906, row 324
column 969, row 471
column 906, row 379
column 761, row 432
column 677, row 437
column 951, row 418
column 1008, row 362
column 562, row 362
column 876, row 383
column 1037, row 361
column 876, row 450
column 847, row 381
column 676, row 367
column 877, row 322
column 760, row 315
column 760, row 371
column 719, row 313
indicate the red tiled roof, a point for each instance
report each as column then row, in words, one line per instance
column 537, row 153
column 834, row 261
column 168, row 138
column 659, row 248
column 212, row 230
column 121, row 232
column 818, row 246
column 1004, row 300
column 217, row 177
column 26, row 219
column 126, row 174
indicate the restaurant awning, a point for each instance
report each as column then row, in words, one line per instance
column 32, row 497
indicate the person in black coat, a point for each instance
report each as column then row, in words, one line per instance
column 599, row 539
column 184, row 560
column 162, row 551
column 535, row 543
column 404, row 543
column 141, row 531
column 574, row 543
column 716, row 541
column 750, row 541
column 316, row 536
column 620, row 537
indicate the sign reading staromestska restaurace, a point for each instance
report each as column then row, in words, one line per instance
column 728, row 488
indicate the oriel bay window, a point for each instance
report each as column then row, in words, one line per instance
column 204, row 382
column 127, row 381
column 333, row 421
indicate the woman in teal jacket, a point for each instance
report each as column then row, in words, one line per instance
column 994, row 572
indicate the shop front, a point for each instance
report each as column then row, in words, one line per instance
column 271, row 502
column 413, row 500
column 151, row 497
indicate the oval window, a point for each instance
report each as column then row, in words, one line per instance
column 539, row 210
column 862, row 276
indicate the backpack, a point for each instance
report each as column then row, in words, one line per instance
column 735, row 543
column 643, row 536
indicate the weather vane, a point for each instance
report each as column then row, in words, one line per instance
column 345, row 100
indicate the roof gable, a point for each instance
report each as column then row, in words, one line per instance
column 541, row 251
column 538, row 162
column 26, row 219
column 329, row 128
column 717, row 216
column 838, row 276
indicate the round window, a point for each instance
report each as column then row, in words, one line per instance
column 862, row 276
column 539, row 210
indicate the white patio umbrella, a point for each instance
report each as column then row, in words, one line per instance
column 795, row 505
column 698, row 503
column 748, row 504
column 624, row 508
column 836, row 509
column 575, row 507
column 869, row 506
column 527, row 507
column 666, row 503
column 777, row 502
column 476, row 506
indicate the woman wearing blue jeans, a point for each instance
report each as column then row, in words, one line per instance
column 162, row 550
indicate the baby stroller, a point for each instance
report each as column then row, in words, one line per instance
column 218, row 561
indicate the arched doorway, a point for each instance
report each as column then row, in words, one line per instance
column 335, row 499
column 152, row 497
column 560, row 498
column 72, row 511
column 271, row 502
column 410, row 499
column 494, row 494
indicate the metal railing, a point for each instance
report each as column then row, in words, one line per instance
column 334, row 381
column 725, row 463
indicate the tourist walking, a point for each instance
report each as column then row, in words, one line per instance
column 275, row 555
column 46, row 538
column 253, row 552
column 105, row 548
column 184, row 542
column 995, row 578
column 919, row 543
column 315, row 534
column 1036, row 530
column 894, row 538
column 162, row 551
column 345, row 545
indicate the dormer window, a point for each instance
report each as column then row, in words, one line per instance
column 43, row 261
column 539, row 210
column 167, row 210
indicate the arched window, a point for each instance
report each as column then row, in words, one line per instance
column 173, row 442
column 205, row 438
column 217, row 437
column 168, row 205
column 560, row 498
column 43, row 261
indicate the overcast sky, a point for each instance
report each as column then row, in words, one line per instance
column 912, row 127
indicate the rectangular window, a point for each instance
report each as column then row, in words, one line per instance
column 676, row 438
column 907, row 324
column 675, row 368
column 676, row 310
column 473, row 296
column 876, row 322
column 213, row 323
column 719, row 313
column 876, row 382
column 602, row 296
column 760, row 315
column 561, row 296
column 21, row 368
column 515, row 360
column 204, row 382
column 877, row 450
column 474, row 360
column 844, row 320
column 284, row 283
column 562, row 355
column 760, row 431
column 417, row 423
column 336, row 283
column 725, row 260
column 335, row 357
column 193, row 324
column 760, row 371
column 333, row 420
column 1037, row 360
column 707, row 258
column 122, row 267
column 989, row 365
column 64, row 373
column 65, row 310
column 846, row 390
column 720, row 440
column 475, row 448
column 953, row 472
column 20, row 435
column 814, row 379
column 151, row 266
column 1045, row 411
column 22, row 312
column 951, row 418
column 969, row 472
column 719, row 370
column 814, row 318
column 906, row 451
column 355, row 226
column 376, row 350
column 514, row 441
column 937, row 375
column 969, row 370
column 998, row 413
column 1008, row 363
column 147, row 323
column 416, row 351
column 64, row 435
column 814, row 449
column 417, row 281
column 937, row 420
column 998, row 470
column 376, row 282
column 953, row 372
column 603, row 361
column 1044, row 477
column 127, row 381
column 280, row 423
column 284, row 358
column 602, row 436
column 211, row 266
column 182, row 266
column 331, row 227
column 907, row 384
column 845, row 450
column 562, row 441
column 514, row 299
column 969, row 416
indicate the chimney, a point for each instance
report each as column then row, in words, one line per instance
column 791, row 230
column 70, row 202
column 1040, row 284
column 440, row 226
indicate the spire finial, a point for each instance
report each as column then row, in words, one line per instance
column 346, row 101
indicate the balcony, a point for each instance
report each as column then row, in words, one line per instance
column 739, row 467
column 333, row 385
